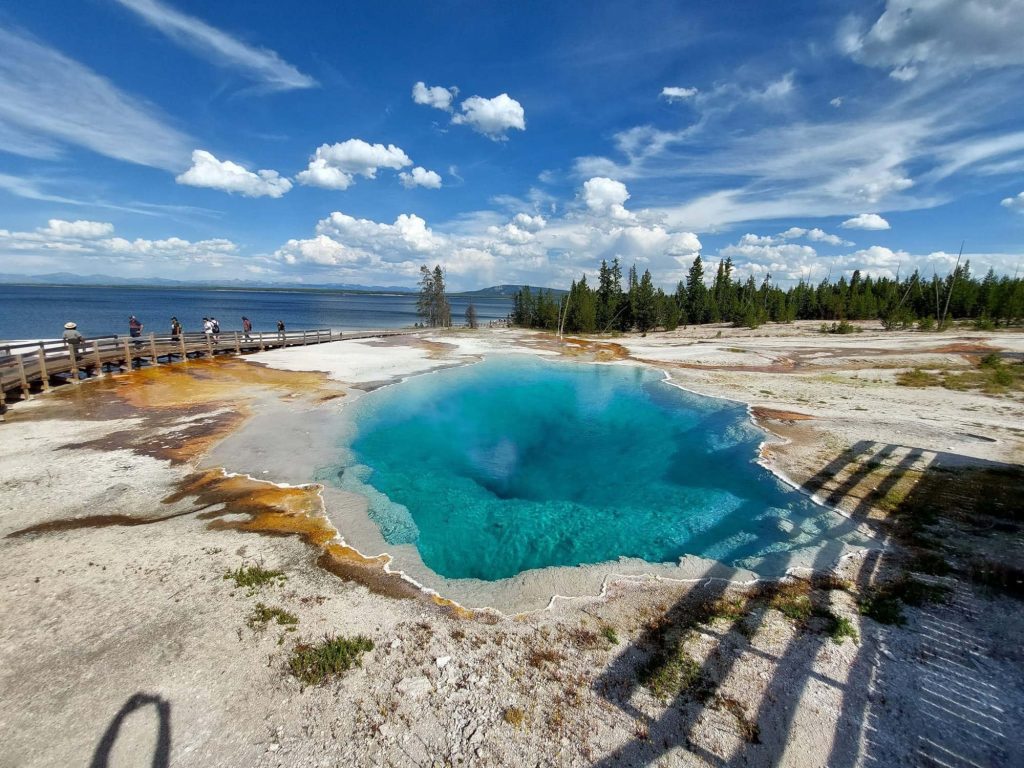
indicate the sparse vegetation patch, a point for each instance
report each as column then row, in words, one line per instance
column 255, row 577
column 262, row 615
column 673, row 672
column 333, row 656
column 884, row 603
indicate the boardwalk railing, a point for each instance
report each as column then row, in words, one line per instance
column 28, row 365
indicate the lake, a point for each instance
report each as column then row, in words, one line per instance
column 36, row 311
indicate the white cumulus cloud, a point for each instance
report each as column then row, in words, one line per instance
column 208, row 171
column 606, row 196
column 320, row 250
column 675, row 93
column 492, row 117
column 821, row 236
column 79, row 229
column 333, row 166
column 435, row 96
column 420, row 177
column 866, row 221
column 1014, row 203
column 529, row 223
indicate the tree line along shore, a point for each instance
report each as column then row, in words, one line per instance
column 914, row 301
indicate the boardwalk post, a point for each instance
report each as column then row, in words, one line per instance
column 21, row 373
column 303, row 338
column 261, row 340
column 209, row 345
column 184, row 350
column 97, row 356
column 152, row 348
column 318, row 337
column 238, row 346
column 127, row 355
column 3, row 406
column 44, row 374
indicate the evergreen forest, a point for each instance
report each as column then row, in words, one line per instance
column 634, row 303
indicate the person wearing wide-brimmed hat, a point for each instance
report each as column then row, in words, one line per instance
column 73, row 339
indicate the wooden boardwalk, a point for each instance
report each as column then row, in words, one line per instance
column 29, row 367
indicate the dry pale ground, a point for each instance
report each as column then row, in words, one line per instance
column 121, row 642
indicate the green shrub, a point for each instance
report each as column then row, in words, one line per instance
column 984, row 323
column 842, row 327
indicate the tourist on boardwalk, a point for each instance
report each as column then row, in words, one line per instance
column 73, row 339
column 215, row 327
column 135, row 329
column 246, row 327
column 280, row 330
column 175, row 329
column 208, row 329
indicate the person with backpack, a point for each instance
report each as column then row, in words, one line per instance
column 175, row 329
column 215, row 327
column 246, row 328
column 280, row 330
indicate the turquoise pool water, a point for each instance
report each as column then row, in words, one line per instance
column 517, row 463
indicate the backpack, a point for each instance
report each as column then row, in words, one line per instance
column 215, row 326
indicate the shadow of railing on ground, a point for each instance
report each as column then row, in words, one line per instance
column 962, row 715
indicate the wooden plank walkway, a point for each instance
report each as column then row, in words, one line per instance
column 30, row 367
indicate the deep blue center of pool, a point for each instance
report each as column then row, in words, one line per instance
column 517, row 463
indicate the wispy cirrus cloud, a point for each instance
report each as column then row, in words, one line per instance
column 260, row 64
column 49, row 101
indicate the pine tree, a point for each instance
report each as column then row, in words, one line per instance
column 432, row 304
column 645, row 314
column 696, row 293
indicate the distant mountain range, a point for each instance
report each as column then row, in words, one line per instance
column 507, row 291
column 71, row 279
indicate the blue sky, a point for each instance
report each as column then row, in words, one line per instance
column 510, row 142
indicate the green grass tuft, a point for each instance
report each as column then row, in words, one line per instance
column 675, row 672
column 917, row 378
column 254, row 577
column 792, row 602
column 262, row 615
column 840, row 628
column 315, row 664
column 608, row 633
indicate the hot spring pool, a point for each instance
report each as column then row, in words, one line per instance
column 517, row 463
